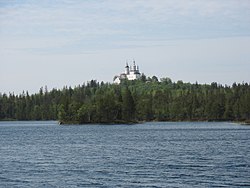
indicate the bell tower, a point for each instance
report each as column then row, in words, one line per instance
column 126, row 69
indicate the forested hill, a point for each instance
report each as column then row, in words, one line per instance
column 131, row 101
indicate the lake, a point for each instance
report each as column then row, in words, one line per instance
column 157, row 154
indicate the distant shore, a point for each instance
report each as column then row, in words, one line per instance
column 130, row 102
column 244, row 122
column 247, row 122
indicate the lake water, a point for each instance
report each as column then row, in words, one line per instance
column 44, row 154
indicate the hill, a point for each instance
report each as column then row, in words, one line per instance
column 146, row 99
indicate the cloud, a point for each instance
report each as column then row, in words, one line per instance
column 66, row 25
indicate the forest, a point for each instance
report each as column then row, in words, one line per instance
column 146, row 99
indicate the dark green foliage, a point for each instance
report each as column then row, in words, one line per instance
column 128, row 105
column 145, row 99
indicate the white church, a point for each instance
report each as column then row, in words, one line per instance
column 131, row 73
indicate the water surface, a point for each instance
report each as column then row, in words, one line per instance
column 44, row 154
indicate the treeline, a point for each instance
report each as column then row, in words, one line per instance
column 146, row 99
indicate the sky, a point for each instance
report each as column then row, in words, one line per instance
column 69, row 42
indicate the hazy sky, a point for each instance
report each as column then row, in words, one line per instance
column 68, row 42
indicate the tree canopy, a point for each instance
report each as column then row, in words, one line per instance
column 146, row 99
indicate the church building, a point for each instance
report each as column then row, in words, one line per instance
column 131, row 73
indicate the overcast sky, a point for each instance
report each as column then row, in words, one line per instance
column 68, row 42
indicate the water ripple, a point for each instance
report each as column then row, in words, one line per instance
column 149, row 155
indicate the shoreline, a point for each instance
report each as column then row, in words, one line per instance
column 142, row 122
column 246, row 122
